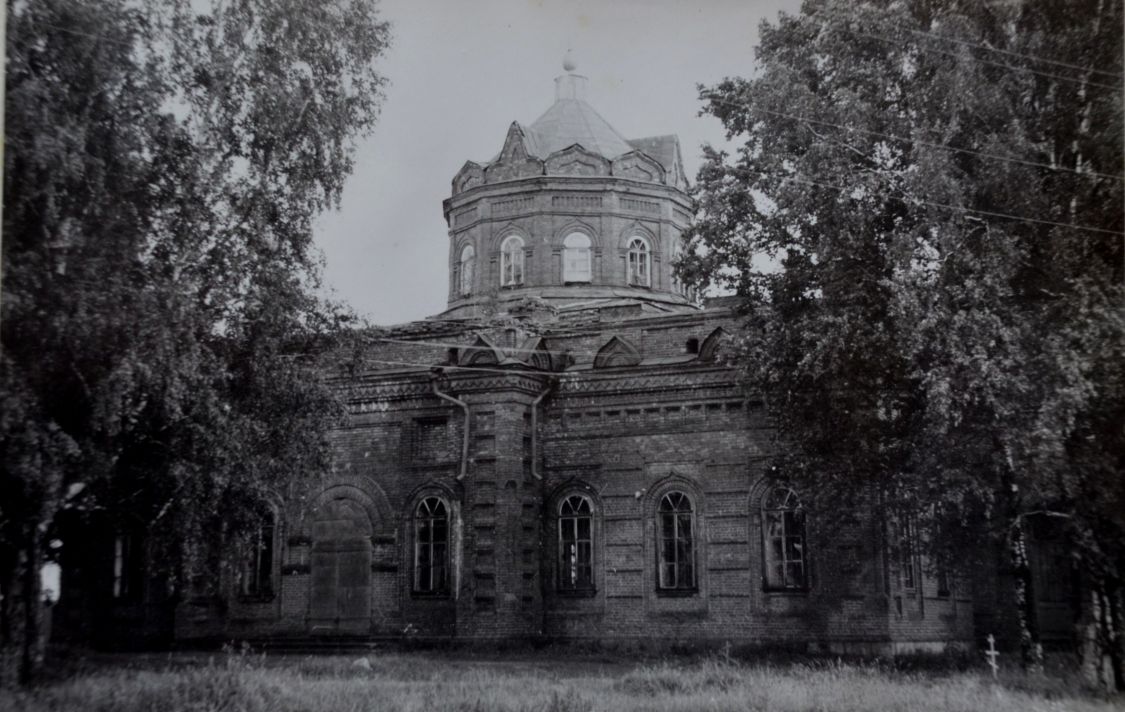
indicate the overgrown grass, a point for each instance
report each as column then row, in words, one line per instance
column 424, row 682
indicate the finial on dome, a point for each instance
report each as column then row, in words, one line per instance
column 570, row 85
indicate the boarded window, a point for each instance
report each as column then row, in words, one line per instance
column 431, row 440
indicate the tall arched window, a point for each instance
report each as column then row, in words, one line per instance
column 576, row 544
column 676, row 545
column 783, row 540
column 128, row 565
column 511, row 261
column 468, row 262
column 640, row 262
column 257, row 565
column 576, row 258
column 431, row 546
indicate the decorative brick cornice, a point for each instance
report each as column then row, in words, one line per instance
column 372, row 394
column 658, row 382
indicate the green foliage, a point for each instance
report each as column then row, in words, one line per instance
column 164, row 163
column 927, row 234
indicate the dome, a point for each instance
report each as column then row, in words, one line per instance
column 571, row 215
column 570, row 121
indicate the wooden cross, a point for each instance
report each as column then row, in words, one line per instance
column 992, row 654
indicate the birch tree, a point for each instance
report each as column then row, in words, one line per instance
column 163, row 166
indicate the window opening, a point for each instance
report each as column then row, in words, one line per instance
column 511, row 261
column 468, row 263
column 783, row 534
column 576, row 544
column 257, row 571
column 676, row 520
column 431, row 545
column 576, row 258
column 640, row 261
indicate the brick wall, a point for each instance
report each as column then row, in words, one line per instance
column 623, row 437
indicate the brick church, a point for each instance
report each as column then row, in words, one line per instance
column 563, row 453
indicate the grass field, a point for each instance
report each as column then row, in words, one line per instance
column 558, row 683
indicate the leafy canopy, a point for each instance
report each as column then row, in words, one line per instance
column 164, row 162
column 923, row 215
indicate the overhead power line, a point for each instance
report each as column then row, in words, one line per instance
column 1010, row 53
column 930, row 144
column 430, row 367
column 507, row 350
column 957, row 208
column 1077, row 80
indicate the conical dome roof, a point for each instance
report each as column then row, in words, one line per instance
column 570, row 121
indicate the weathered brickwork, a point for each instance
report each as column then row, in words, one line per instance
column 564, row 457
column 622, row 437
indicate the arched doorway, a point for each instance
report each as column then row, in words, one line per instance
column 340, row 563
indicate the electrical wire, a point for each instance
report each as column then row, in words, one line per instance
column 442, row 344
column 1010, row 53
column 930, row 144
column 989, row 213
column 431, row 367
column 1076, row 80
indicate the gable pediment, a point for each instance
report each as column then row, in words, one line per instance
column 515, row 146
column 514, row 161
column 534, row 353
column 617, row 353
column 711, row 347
column 639, row 166
column 470, row 176
column 574, row 160
column 481, row 353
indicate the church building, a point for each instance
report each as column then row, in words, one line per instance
column 564, row 453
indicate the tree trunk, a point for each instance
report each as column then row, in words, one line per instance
column 1101, row 644
column 1031, row 647
column 1109, row 639
column 9, row 617
column 22, row 647
column 34, row 645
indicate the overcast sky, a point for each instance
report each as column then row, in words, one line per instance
column 462, row 71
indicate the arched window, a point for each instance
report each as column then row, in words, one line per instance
column 903, row 535
column 431, row 546
column 676, row 545
column 783, row 540
column 128, row 565
column 468, row 262
column 640, row 262
column 576, row 544
column 511, row 261
column 576, row 258
column 257, row 565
